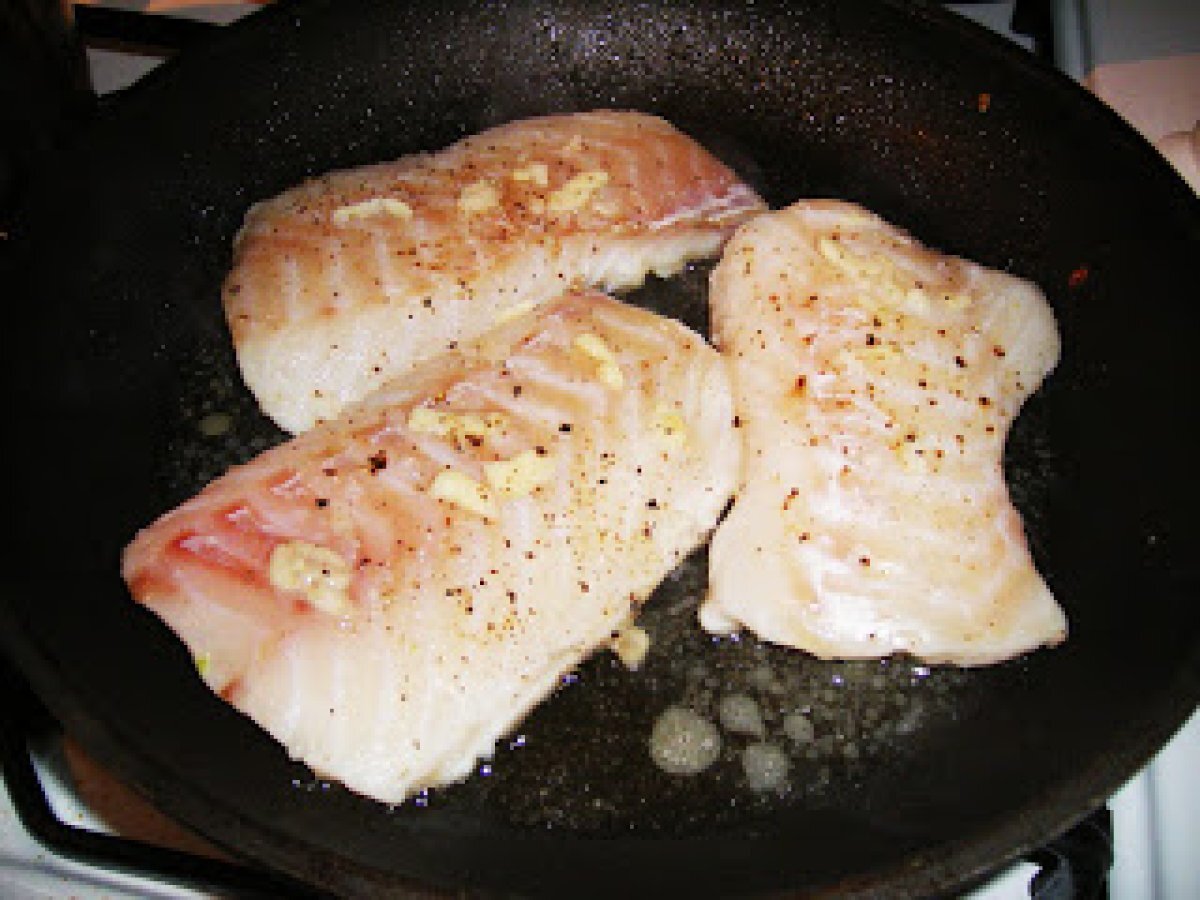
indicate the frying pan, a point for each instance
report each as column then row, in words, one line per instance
column 917, row 781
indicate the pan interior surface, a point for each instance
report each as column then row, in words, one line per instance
column 913, row 779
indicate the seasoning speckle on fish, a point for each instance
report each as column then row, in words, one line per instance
column 389, row 593
column 345, row 281
column 875, row 381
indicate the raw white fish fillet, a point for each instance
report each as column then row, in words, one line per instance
column 345, row 281
column 875, row 382
column 390, row 593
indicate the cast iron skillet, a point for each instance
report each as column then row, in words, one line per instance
column 916, row 782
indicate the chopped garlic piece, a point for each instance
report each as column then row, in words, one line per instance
column 430, row 421
column 376, row 206
column 893, row 287
column 831, row 250
column 595, row 347
column 576, row 193
column 669, row 426
column 322, row 575
column 463, row 490
column 478, row 197
column 536, row 172
column 837, row 254
column 612, row 376
column 520, row 475
column 482, row 426
column 609, row 372
column 460, row 426
column 631, row 645
column 515, row 312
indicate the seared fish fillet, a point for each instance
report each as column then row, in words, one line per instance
column 343, row 282
column 875, row 381
column 389, row 593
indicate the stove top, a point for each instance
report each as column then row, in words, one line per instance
column 70, row 828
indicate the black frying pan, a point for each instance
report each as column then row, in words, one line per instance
column 917, row 782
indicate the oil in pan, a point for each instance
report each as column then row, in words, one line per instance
column 783, row 728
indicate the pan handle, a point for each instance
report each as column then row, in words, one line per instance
column 152, row 34
column 1076, row 865
column 22, row 718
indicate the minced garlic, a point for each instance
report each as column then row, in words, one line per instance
column 464, row 491
column 901, row 289
column 520, row 475
column 631, row 645
column 376, row 206
column 477, row 197
column 322, row 575
column 430, row 421
column 669, row 426
column 577, row 192
column 515, row 312
column 837, row 254
column 609, row 372
column 460, row 426
column 537, row 173
column 612, row 376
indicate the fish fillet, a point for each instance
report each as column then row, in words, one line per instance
column 347, row 280
column 389, row 593
column 875, row 382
